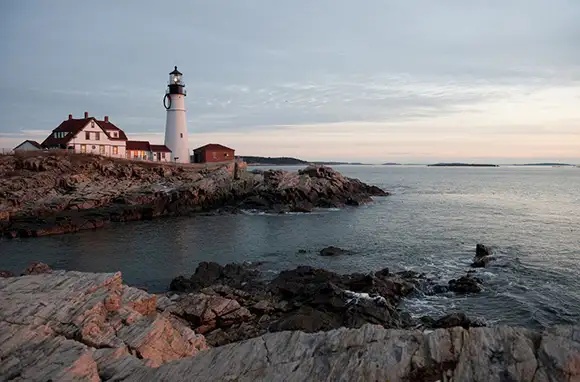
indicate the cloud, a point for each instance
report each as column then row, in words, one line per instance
column 381, row 71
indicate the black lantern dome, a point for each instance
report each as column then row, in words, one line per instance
column 176, row 85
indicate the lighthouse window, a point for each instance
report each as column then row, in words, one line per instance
column 181, row 135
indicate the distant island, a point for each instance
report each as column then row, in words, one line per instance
column 275, row 161
column 545, row 164
column 391, row 164
column 289, row 161
column 462, row 165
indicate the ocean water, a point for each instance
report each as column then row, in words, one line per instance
column 431, row 224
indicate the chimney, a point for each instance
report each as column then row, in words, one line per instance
column 86, row 114
column 69, row 117
column 106, row 118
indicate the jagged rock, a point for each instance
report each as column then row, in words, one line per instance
column 210, row 273
column 4, row 274
column 208, row 312
column 51, row 324
column 304, row 298
column 37, row 268
column 465, row 284
column 333, row 251
column 373, row 353
column 483, row 255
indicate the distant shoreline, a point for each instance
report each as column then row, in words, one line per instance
column 462, row 165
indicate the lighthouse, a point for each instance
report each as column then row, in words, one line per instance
column 176, row 123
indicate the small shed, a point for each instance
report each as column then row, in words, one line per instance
column 213, row 153
column 28, row 146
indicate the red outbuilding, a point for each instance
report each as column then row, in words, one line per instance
column 213, row 153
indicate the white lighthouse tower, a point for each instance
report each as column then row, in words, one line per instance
column 176, row 124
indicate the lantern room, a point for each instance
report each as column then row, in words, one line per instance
column 176, row 85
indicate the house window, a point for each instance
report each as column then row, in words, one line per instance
column 163, row 155
column 83, row 149
column 214, row 154
column 102, row 149
column 226, row 155
column 97, row 136
column 87, row 135
column 135, row 154
column 115, row 150
column 181, row 135
column 114, row 134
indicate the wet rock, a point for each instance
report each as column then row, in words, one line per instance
column 465, row 284
column 210, row 273
column 37, row 268
column 5, row 274
column 333, row 251
column 456, row 319
column 303, row 298
column 483, row 256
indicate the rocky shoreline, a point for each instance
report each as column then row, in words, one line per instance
column 52, row 193
column 57, row 325
column 233, row 302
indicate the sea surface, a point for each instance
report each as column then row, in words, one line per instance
column 431, row 224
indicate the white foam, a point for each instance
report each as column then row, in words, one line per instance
column 355, row 296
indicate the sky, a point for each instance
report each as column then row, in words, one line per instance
column 412, row 81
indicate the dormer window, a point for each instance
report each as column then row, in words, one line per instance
column 60, row 134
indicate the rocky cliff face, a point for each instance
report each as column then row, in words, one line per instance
column 49, row 193
column 65, row 326
column 373, row 353
column 59, row 325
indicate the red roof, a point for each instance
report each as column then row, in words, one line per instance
column 213, row 146
column 138, row 145
column 108, row 127
column 33, row 143
column 159, row 149
column 74, row 126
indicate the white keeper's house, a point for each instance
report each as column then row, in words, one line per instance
column 89, row 135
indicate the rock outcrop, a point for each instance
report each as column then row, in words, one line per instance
column 57, row 326
column 232, row 303
column 483, row 256
column 44, row 194
column 333, row 251
column 65, row 326
column 372, row 353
